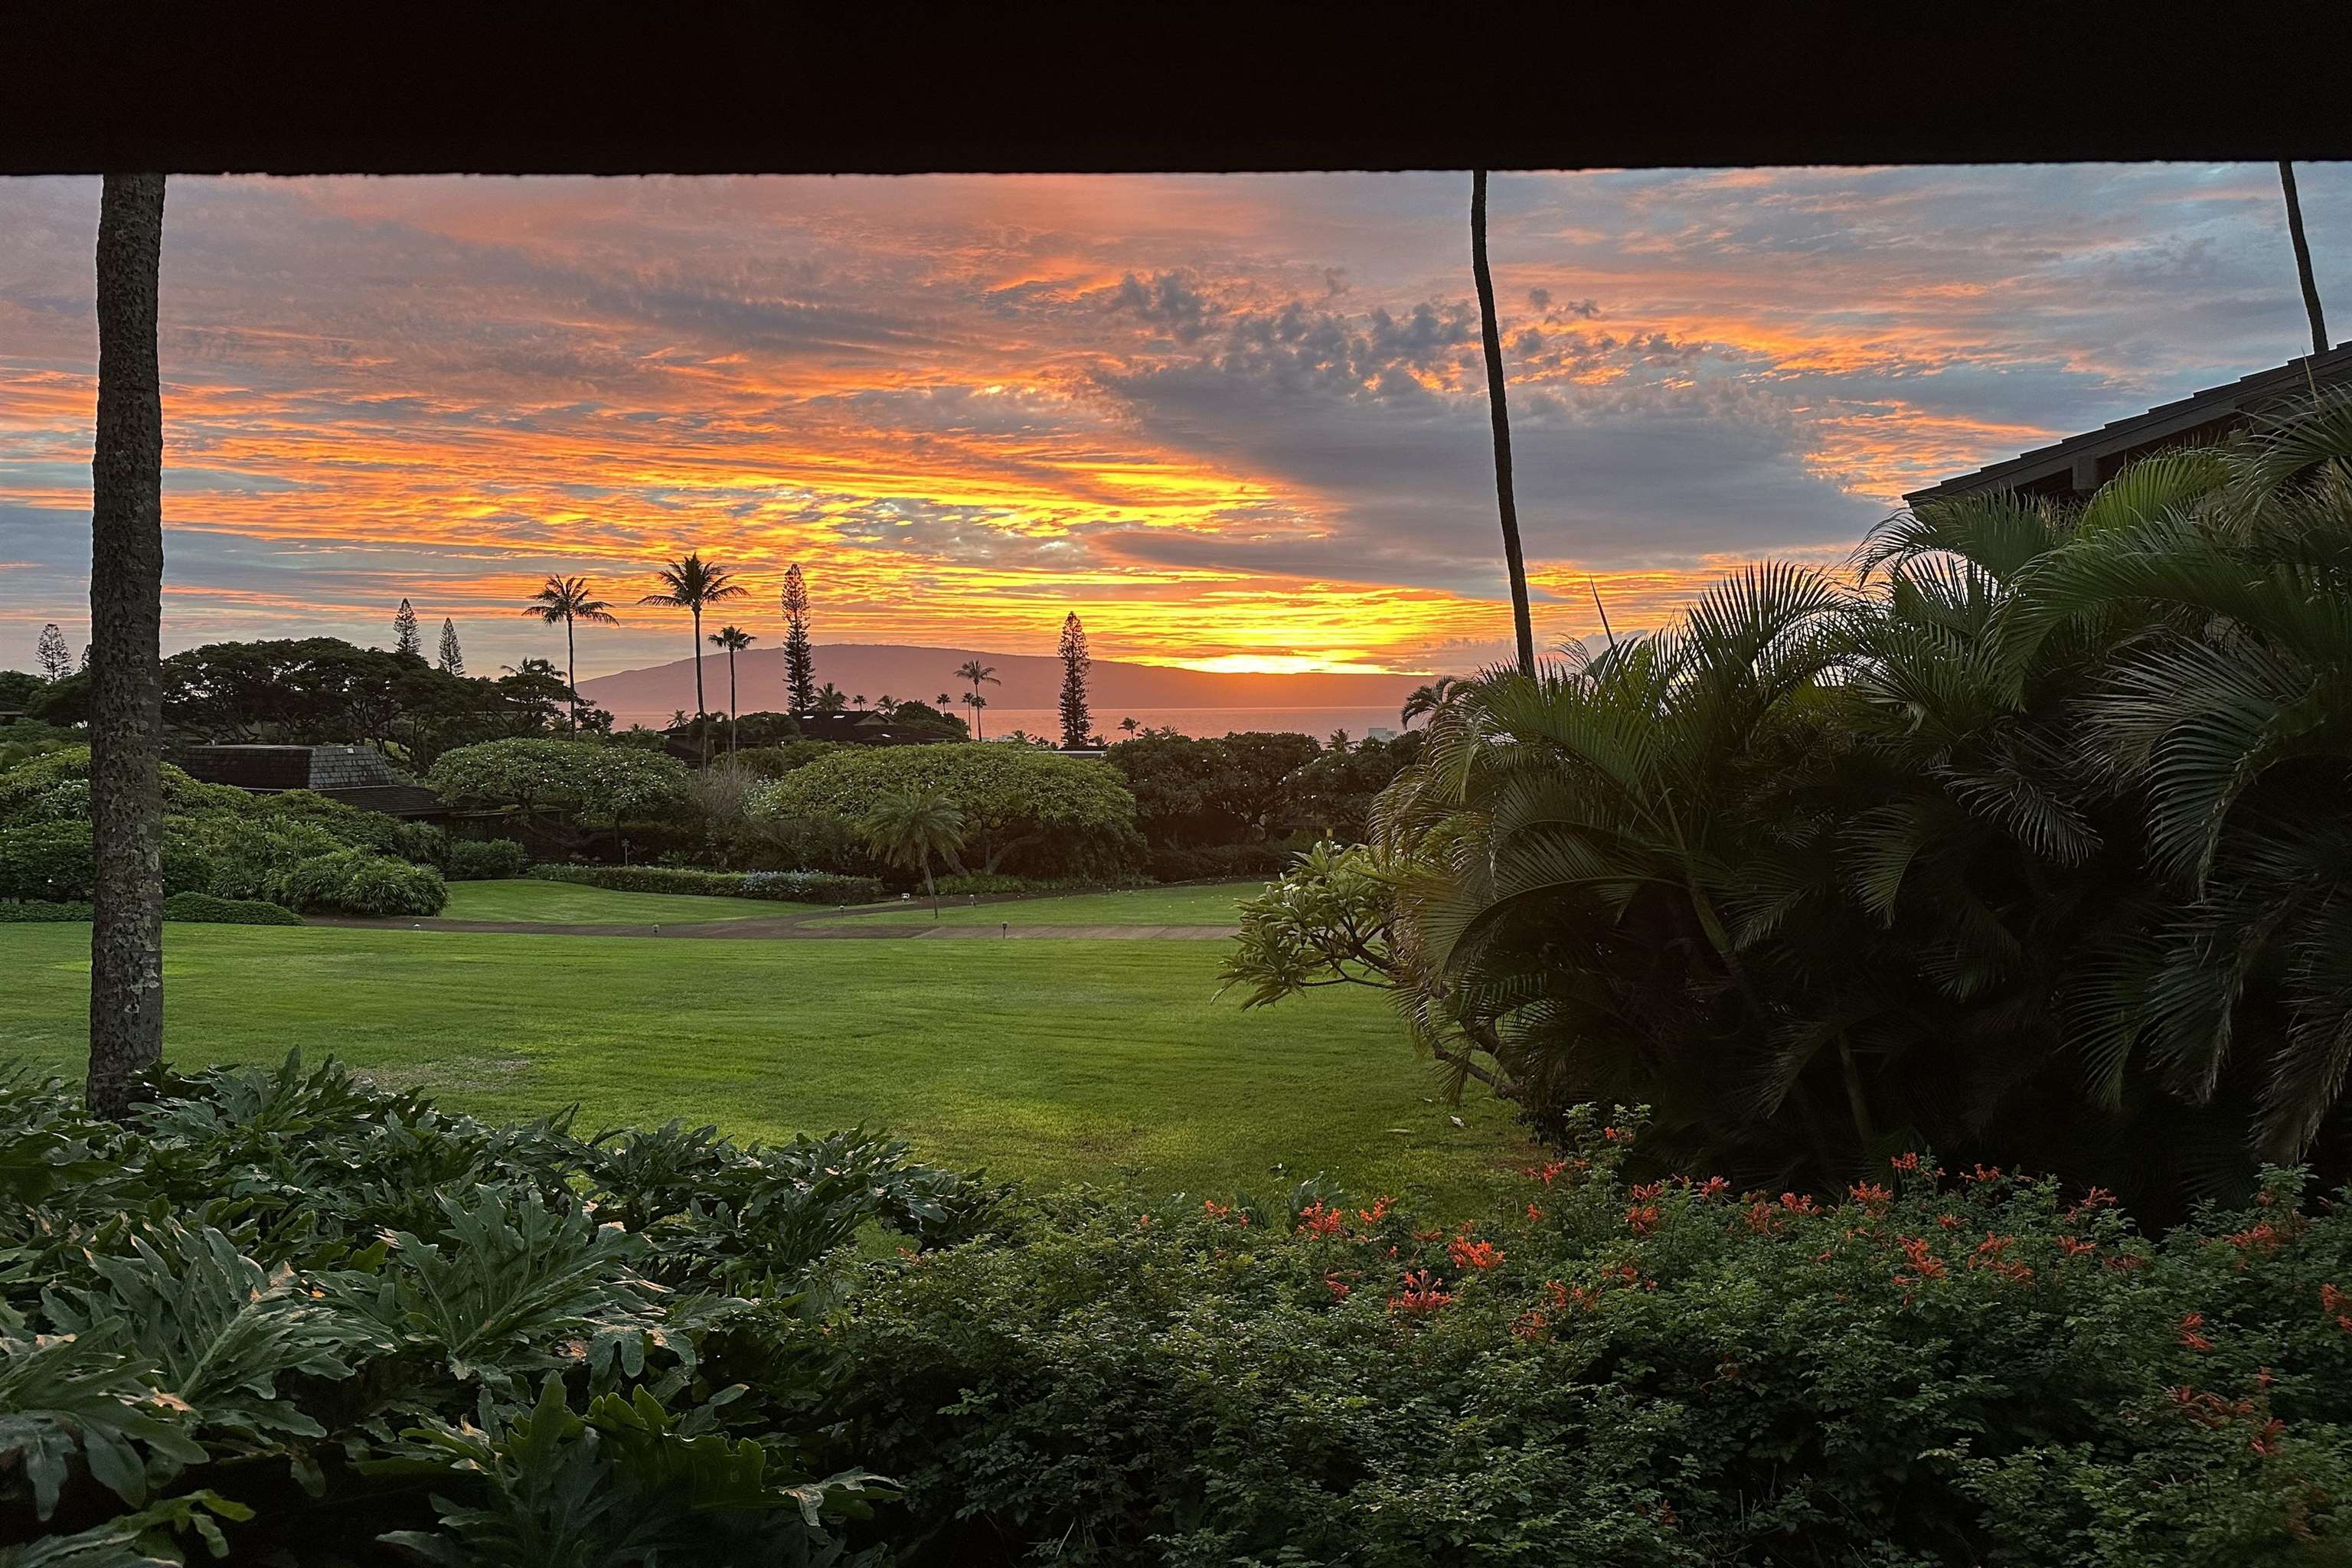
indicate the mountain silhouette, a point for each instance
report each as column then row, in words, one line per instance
column 649, row 695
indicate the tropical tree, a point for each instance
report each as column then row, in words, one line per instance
column 51, row 654
column 2036, row 849
column 828, row 699
column 1127, row 726
column 734, row 639
column 858, row 703
column 1066, row 813
column 1077, row 725
column 569, row 600
column 1425, row 701
column 126, row 606
column 406, row 640
column 800, row 654
column 975, row 675
column 912, row 826
column 694, row 585
column 453, row 659
column 1499, row 415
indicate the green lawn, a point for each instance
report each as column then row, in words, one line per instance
column 1054, row 1061
column 1185, row 906
column 564, row 904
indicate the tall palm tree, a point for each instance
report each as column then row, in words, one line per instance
column 1499, row 413
column 1127, row 726
column 734, row 639
column 2303, row 258
column 126, row 600
column 829, row 699
column 909, row 827
column 568, row 599
column 690, row 583
column 976, row 675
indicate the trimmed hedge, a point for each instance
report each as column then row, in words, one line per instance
column 486, row 860
column 202, row 909
column 41, row 912
column 784, row 887
column 358, row 882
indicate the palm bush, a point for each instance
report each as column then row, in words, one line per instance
column 2034, row 841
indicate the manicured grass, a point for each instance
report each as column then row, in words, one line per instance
column 565, row 904
column 1213, row 905
column 1054, row 1061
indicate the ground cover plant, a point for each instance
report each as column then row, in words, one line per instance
column 1055, row 1062
column 279, row 1312
column 1940, row 1368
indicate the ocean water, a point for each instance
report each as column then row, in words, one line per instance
column 1317, row 722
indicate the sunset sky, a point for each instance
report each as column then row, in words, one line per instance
column 1235, row 422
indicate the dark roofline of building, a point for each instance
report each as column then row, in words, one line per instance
column 2091, row 456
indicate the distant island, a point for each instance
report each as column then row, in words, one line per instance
column 1148, row 691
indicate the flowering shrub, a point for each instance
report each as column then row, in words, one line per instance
column 1935, row 1370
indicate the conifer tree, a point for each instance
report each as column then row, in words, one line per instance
column 453, row 660
column 404, row 635
column 50, row 653
column 1077, row 724
column 800, row 657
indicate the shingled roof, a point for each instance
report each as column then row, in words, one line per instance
column 355, row 775
column 2081, row 464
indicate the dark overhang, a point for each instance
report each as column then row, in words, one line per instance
column 2080, row 464
column 898, row 88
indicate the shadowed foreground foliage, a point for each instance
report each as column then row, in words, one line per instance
column 345, row 1324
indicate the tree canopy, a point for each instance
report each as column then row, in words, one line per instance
column 592, row 784
column 1013, row 798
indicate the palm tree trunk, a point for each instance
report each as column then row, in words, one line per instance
column 126, row 611
column 734, row 704
column 1500, row 413
column 930, row 886
column 571, row 672
column 2302, row 259
column 701, row 708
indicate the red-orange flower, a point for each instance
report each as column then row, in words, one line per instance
column 2190, row 1335
column 1421, row 1294
column 1320, row 1219
column 1468, row 1254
